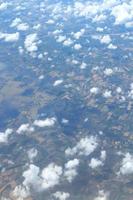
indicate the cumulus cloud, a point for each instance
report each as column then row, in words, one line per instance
column 23, row 27
column 107, row 94
column 71, row 169
column 21, row 192
column 94, row 90
column 42, row 179
column 68, row 42
column 78, row 34
column 45, row 123
column 95, row 162
column 57, row 82
column 51, row 175
column 5, row 135
column 127, row 165
column 10, row 37
column 77, row 46
column 25, row 128
column 61, row 195
column 123, row 13
column 31, row 177
column 3, row 6
column 84, row 147
column 112, row 46
column 106, row 39
column 108, row 71
column 32, row 153
column 102, row 195
column 30, row 42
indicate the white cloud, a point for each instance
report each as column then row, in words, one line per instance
column 3, row 5
column 25, row 128
column 68, row 42
column 127, row 165
column 61, row 195
column 78, row 34
column 103, row 155
column 61, row 38
column 21, row 192
column 23, row 27
column 112, row 46
column 122, row 13
column 31, row 177
column 57, row 82
column 15, row 22
column 83, row 65
column 108, row 71
column 106, row 39
column 72, row 163
column 30, row 42
column 102, row 196
column 71, row 169
column 94, row 90
column 84, row 147
column 45, row 123
column 77, row 46
column 5, row 135
column 51, row 175
column 94, row 163
column 10, row 37
column 32, row 153
column 107, row 94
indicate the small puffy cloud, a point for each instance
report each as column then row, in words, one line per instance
column 4, row 135
column 25, row 128
column 30, row 42
column 127, row 165
column 50, row 21
column 106, row 39
column 51, row 175
column 45, row 123
column 78, row 34
column 84, row 147
column 102, row 196
column 58, row 82
column 21, row 192
column 68, row 42
column 23, row 27
column 103, row 155
column 61, row 38
column 61, row 195
column 112, row 46
column 94, row 90
column 94, row 163
column 83, row 65
column 108, row 71
column 99, row 29
column 118, row 90
column 15, row 22
column 32, row 153
column 107, row 94
column 71, row 169
column 72, row 164
column 31, row 177
column 99, row 18
column 10, row 37
column 77, row 46
column 3, row 6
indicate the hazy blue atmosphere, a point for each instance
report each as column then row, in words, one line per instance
column 66, row 100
